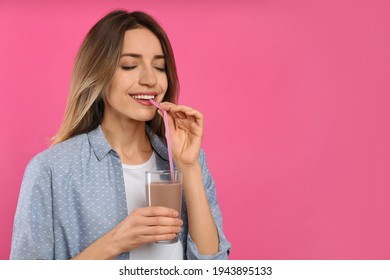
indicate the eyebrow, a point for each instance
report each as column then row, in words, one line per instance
column 135, row 55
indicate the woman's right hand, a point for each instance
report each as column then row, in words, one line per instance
column 142, row 226
column 145, row 225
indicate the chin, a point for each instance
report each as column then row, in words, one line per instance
column 144, row 118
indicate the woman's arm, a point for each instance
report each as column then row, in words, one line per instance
column 211, row 193
column 142, row 226
column 33, row 236
column 186, row 131
column 201, row 224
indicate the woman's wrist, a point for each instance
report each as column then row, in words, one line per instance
column 190, row 168
column 111, row 248
column 101, row 249
column 192, row 180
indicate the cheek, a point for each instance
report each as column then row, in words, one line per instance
column 113, row 86
column 164, row 83
column 120, row 85
column 115, row 90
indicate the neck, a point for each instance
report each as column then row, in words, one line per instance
column 128, row 138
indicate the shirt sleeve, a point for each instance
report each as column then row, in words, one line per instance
column 33, row 225
column 224, row 245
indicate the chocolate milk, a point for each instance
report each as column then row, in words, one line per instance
column 166, row 194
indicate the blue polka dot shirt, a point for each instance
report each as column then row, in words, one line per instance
column 74, row 192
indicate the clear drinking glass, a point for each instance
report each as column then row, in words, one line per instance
column 163, row 188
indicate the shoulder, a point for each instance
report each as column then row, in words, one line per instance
column 60, row 153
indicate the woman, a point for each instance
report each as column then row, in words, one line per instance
column 79, row 197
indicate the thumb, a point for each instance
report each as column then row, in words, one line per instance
column 160, row 113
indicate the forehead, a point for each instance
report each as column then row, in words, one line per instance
column 142, row 41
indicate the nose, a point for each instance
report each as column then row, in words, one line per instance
column 148, row 77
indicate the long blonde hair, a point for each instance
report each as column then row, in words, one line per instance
column 94, row 68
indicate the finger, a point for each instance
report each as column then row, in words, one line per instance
column 190, row 122
column 167, row 106
column 156, row 238
column 179, row 113
column 183, row 112
column 171, row 120
column 150, row 238
column 154, row 211
column 162, row 221
column 159, row 230
column 174, row 107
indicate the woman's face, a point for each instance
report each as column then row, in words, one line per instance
column 139, row 76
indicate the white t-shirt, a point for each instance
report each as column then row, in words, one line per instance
column 134, row 176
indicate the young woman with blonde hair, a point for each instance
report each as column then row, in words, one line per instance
column 82, row 198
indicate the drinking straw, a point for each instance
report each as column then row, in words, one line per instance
column 167, row 136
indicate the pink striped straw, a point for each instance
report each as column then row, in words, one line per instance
column 167, row 136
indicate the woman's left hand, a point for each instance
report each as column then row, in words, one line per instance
column 186, row 131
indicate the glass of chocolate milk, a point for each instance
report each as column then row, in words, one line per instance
column 163, row 188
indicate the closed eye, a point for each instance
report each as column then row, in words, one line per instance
column 127, row 68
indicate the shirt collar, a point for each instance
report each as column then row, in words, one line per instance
column 101, row 147
column 99, row 143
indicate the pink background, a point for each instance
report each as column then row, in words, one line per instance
column 296, row 100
